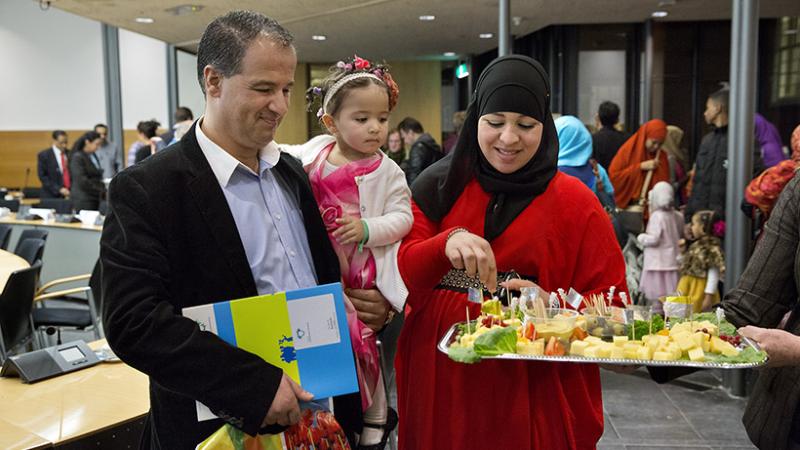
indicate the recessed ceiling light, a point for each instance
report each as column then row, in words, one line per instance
column 659, row 14
column 427, row 18
column 319, row 37
column 486, row 35
column 449, row 54
column 791, row 31
column 145, row 20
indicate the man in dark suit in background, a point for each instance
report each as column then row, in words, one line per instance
column 53, row 167
column 222, row 214
column 607, row 139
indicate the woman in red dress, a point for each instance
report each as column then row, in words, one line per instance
column 498, row 203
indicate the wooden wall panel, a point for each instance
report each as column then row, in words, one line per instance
column 18, row 150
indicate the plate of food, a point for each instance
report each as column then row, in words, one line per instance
column 562, row 334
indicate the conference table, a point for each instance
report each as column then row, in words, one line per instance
column 9, row 262
column 71, row 248
column 90, row 408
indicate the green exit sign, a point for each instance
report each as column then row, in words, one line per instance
column 462, row 71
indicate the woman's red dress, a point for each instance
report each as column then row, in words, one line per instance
column 564, row 239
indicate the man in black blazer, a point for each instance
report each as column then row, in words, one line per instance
column 51, row 163
column 173, row 238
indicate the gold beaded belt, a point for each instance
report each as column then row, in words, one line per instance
column 458, row 280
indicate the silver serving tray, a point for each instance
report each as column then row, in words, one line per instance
column 444, row 343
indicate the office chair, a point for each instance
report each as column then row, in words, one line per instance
column 33, row 233
column 5, row 236
column 16, row 303
column 61, row 205
column 13, row 205
column 88, row 300
column 30, row 250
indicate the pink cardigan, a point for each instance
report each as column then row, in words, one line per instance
column 660, row 240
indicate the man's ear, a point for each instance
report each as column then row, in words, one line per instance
column 329, row 123
column 212, row 80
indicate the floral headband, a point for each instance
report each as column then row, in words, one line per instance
column 358, row 68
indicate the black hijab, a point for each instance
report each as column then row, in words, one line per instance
column 511, row 83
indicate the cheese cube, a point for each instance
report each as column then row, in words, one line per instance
column 645, row 353
column 577, row 348
column 631, row 352
column 617, row 353
column 663, row 356
column 593, row 340
column 591, row 352
column 696, row 354
column 685, row 342
column 619, row 341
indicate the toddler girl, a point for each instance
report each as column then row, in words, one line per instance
column 704, row 262
column 660, row 241
column 365, row 204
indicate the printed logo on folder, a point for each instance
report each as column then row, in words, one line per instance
column 304, row 332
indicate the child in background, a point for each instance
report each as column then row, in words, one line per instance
column 704, row 263
column 365, row 204
column 660, row 241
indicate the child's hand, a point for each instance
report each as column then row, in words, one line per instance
column 350, row 231
column 707, row 299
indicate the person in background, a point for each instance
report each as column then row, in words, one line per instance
column 52, row 166
column 574, row 154
column 678, row 158
column 766, row 292
column 109, row 154
column 703, row 264
column 183, row 121
column 149, row 142
column 423, row 150
column 395, row 149
column 764, row 190
column 639, row 155
column 607, row 140
column 223, row 215
column 87, row 174
column 769, row 140
column 709, row 182
column 458, row 122
column 661, row 249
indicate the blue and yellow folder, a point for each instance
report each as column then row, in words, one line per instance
column 304, row 332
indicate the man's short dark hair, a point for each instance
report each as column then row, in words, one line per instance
column 99, row 125
column 720, row 97
column 227, row 38
column 58, row 133
column 608, row 113
column 183, row 113
column 410, row 124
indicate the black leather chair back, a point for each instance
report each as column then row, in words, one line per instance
column 33, row 233
column 13, row 205
column 31, row 250
column 5, row 236
column 16, row 303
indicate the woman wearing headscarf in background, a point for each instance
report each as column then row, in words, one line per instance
column 769, row 140
column 764, row 190
column 574, row 153
column 678, row 159
column 574, row 158
column 635, row 158
column 494, row 204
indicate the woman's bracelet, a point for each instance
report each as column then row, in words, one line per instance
column 455, row 230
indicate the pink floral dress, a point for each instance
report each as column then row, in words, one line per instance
column 337, row 196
